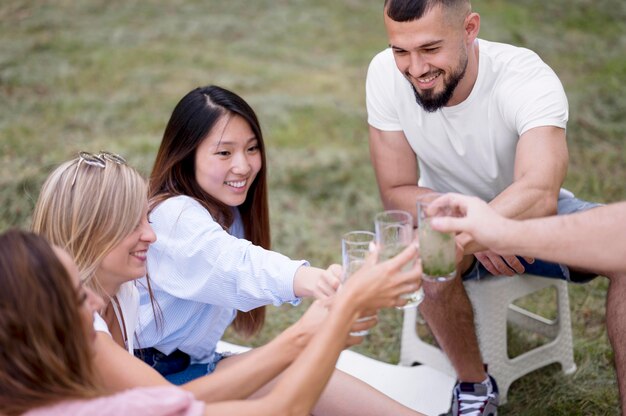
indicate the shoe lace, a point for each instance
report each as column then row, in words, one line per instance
column 473, row 405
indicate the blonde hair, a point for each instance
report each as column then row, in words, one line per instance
column 88, row 210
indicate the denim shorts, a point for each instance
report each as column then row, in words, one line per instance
column 567, row 204
column 176, row 367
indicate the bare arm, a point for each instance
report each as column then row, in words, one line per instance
column 396, row 173
column 372, row 287
column 304, row 381
column 120, row 371
column 594, row 239
column 313, row 281
column 540, row 168
column 253, row 369
column 396, row 169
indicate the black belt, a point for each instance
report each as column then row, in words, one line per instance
column 175, row 362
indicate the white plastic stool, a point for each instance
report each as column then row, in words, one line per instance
column 492, row 299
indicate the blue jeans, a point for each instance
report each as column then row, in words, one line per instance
column 567, row 204
column 176, row 367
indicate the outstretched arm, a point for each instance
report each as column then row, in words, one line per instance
column 372, row 287
column 257, row 367
column 312, row 281
column 120, row 371
column 591, row 239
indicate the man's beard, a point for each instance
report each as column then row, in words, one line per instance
column 431, row 101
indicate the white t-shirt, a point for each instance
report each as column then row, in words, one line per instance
column 128, row 298
column 470, row 147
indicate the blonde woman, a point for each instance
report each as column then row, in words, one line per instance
column 95, row 207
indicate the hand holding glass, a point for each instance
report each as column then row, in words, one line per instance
column 394, row 232
column 354, row 249
column 437, row 249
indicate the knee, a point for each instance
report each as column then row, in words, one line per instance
column 617, row 280
column 444, row 291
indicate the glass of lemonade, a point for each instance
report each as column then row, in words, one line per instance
column 354, row 249
column 437, row 250
column 394, row 232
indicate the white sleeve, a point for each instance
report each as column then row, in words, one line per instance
column 534, row 96
column 379, row 93
column 194, row 258
column 99, row 325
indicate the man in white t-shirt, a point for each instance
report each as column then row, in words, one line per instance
column 453, row 113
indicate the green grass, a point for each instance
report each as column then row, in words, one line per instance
column 106, row 74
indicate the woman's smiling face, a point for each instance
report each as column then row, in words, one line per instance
column 127, row 260
column 228, row 160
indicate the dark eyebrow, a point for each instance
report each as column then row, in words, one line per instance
column 431, row 44
column 230, row 143
column 423, row 46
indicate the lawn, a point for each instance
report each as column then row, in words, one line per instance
column 99, row 74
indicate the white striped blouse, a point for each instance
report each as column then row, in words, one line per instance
column 201, row 274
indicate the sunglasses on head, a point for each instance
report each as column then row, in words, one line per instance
column 99, row 160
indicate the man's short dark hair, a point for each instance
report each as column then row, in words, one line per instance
column 409, row 10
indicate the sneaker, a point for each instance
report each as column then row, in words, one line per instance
column 469, row 399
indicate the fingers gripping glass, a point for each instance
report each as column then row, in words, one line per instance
column 99, row 160
column 354, row 252
column 437, row 250
column 394, row 232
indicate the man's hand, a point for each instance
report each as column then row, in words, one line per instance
column 487, row 227
column 501, row 265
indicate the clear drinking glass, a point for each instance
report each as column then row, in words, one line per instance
column 437, row 249
column 394, row 232
column 354, row 250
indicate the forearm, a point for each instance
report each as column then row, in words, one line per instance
column 520, row 201
column 302, row 383
column 306, row 378
column 118, row 370
column 251, row 370
column 541, row 159
column 594, row 239
column 523, row 200
column 404, row 198
column 304, row 281
column 396, row 169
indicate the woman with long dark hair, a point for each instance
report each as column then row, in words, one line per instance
column 211, row 264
